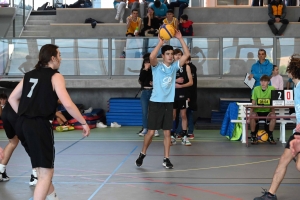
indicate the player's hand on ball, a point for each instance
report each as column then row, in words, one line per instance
column 178, row 34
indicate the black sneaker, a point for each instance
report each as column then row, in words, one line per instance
column 33, row 180
column 266, row 196
column 4, row 177
column 254, row 140
column 139, row 160
column 271, row 140
column 167, row 163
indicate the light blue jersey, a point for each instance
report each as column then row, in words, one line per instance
column 164, row 82
column 297, row 101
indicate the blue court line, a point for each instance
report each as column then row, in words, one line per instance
column 70, row 145
column 112, row 174
column 61, row 152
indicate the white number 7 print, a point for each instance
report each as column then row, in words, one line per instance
column 34, row 81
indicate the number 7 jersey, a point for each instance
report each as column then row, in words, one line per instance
column 38, row 97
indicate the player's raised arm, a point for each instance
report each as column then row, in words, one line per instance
column 153, row 55
column 186, row 51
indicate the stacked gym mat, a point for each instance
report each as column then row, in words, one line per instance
column 124, row 111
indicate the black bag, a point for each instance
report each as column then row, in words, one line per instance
column 44, row 6
column 90, row 20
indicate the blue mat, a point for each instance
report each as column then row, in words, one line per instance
column 124, row 111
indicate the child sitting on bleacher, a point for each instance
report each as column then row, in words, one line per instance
column 276, row 79
column 186, row 26
column 170, row 19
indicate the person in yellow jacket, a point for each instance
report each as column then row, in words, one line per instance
column 277, row 13
column 133, row 24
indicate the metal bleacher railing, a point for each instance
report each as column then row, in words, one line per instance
column 102, row 57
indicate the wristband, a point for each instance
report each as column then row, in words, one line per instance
column 83, row 124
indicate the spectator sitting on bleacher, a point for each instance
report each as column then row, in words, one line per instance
column 133, row 24
column 160, row 10
column 186, row 26
column 120, row 6
column 262, row 67
column 171, row 20
column 182, row 4
column 276, row 80
column 262, row 96
column 133, row 4
column 151, row 24
column 277, row 13
column 62, row 117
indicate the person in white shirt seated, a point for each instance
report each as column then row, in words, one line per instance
column 276, row 79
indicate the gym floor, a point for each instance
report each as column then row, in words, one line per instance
column 102, row 166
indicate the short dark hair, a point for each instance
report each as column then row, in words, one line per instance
column 184, row 17
column 262, row 50
column 3, row 96
column 274, row 67
column 170, row 11
column 134, row 10
column 166, row 48
column 265, row 78
column 157, row 3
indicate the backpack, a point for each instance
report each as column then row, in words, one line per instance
column 44, row 6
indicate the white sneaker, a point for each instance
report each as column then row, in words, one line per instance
column 115, row 125
column 185, row 141
column 121, row 21
column 173, row 140
column 33, row 180
column 88, row 110
column 101, row 125
column 156, row 134
column 143, row 132
column 117, row 17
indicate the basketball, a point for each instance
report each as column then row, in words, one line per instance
column 262, row 136
column 166, row 32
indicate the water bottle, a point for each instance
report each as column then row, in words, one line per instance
column 136, row 31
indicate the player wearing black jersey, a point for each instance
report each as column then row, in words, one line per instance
column 9, row 118
column 183, row 80
column 35, row 100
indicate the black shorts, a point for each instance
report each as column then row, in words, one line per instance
column 263, row 114
column 179, row 104
column 66, row 115
column 38, row 134
column 9, row 118
column 160, row 116
column 131, row 34
column 287, row 146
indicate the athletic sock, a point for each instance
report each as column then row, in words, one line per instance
column 253, row 134
column 2, row 168
column 52, row 196
column 184, row 133
column 34, row 173
column 270, row 133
